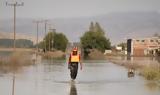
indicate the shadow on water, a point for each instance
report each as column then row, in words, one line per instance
column 94, row 81
column 73, row 89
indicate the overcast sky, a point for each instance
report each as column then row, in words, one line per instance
column 75, row 8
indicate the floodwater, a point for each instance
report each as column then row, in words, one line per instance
column 52, row 78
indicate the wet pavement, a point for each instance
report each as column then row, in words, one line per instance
column 50, row 78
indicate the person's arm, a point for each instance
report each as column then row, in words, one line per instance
column 69, row 60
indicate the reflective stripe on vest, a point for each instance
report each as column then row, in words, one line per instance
column 75, row 58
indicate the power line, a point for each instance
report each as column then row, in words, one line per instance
column 14, row 5
column 37, row 34
column 45, row 24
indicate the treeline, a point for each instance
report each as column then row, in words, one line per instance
column 94, row 38
column 20, row 43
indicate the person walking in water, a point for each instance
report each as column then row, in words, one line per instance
column 74, row 60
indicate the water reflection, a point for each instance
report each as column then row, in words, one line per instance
column 131, row 72
column 158, row 59
column 73, row 89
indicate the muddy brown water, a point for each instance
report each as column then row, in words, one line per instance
column 99, row 78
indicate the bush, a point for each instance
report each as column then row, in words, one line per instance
column 54, row 40
column 151, row 73
column 15, row 62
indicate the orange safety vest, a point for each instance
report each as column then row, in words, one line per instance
column 75, row 58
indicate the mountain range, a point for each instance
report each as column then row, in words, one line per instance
column 118, row 26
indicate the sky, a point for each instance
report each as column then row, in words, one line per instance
column 74, row 8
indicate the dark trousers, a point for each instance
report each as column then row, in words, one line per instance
column 73, row 69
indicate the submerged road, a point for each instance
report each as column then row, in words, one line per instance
column 49, row 78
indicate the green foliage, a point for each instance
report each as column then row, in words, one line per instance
column 60, row 42
column 55, row 40
column 20, row 43
column 94, row 39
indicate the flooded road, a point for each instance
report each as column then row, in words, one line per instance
column 52, row 78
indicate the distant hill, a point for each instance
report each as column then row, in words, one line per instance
column 20, row 43
column 118, row 26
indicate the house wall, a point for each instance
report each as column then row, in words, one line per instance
column 144, row 46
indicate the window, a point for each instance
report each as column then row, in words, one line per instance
column 151, row 40
column 137, row 40
column 143, row 41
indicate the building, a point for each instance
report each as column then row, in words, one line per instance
column 143, row 46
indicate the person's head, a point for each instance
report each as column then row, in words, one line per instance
column 75, row 51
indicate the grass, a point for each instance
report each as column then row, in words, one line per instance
column 57, row 55
column 150, row 73
column 15, row 62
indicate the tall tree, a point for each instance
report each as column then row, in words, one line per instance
column 98, row 28
column 95, row 40
column 91, row 27
column 60, row 41
column 55, row 40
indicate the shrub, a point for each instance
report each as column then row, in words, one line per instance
column 151, row 73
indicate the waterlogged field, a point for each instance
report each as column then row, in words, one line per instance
column 46, row 77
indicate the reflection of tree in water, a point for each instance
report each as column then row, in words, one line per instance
column 73, row 90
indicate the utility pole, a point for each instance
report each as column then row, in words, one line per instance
column 37, row 34
column 50, row 31
column 45, row 26
column 14, row 5
column 52, row 40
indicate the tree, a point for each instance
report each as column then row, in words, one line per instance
column 60, row 41
column 91, row 27
column 95, row 40
column 98, row 28
column 55, row 40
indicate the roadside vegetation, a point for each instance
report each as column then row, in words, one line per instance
column 54, row 41
column 55, row 55
column 15, row 62
column 150, row 71
column 54, row 45
column 94, row 40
